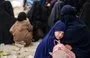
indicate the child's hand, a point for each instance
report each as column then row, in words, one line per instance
column 68, row 47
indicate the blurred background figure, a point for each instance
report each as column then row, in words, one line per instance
column 28, row 3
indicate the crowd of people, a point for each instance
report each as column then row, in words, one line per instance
column 63, row 26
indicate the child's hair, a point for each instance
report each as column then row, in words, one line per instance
column 22, row 16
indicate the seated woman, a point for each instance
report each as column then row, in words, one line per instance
column 22, row 29
column 47, row 43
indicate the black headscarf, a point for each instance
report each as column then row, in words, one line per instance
column 74, row 3
column 76, row 33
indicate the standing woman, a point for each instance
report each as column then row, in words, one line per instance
column 55, row 13
column 76, row 32
column 47, row 44
column 6, row 20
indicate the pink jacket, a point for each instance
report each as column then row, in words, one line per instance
column 60, row 47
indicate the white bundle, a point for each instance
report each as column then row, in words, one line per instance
column 12, row 56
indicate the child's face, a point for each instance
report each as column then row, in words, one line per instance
column 59, row 34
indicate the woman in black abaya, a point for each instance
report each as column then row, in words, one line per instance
column 76, row 33
column 6, row 21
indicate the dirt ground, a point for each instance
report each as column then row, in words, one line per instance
column 18, row 51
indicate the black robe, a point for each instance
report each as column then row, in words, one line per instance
column 6, row 19
column 1, row 1
column 81, row 2
column 76, row 33
column 85, row 13
column 55, row 13
column 38, row 16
